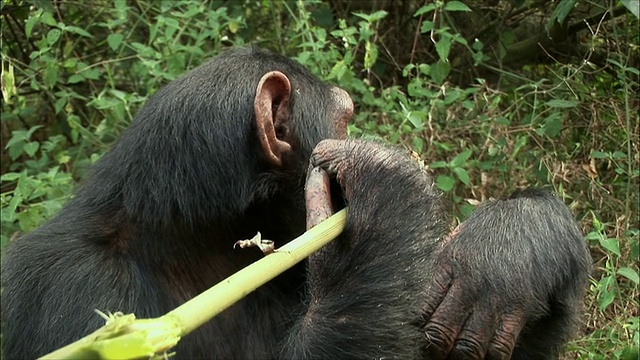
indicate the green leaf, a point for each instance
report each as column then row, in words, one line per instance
column 593, row 235
column 70, row 63
column 418, row 144
column 407, row 69
column 599, row 155
column 31, row 22
column 378, row 15
column 74, row 79
column 606, row 296
column 425, row 9
column 445, row 183
column 630, row 352
column 416, row 118
column 456, row 6
column 51, row 74
column 427, row 26
column 143, row 50
column 92, row 74
column 9, row 89
column 52, row 36
column 561, row 11
column 425, row 69
column 31, row 148
column 630, row 274
column 611, row 245
column 416, row 88
column 632, row 6
column 370, row 55
column 503, row 121
column 552, row 125
column 371, row 18
column 452, row 96
column 118, row 94
column 443, row 47
column 10, row 176
column 77, row 30
column 462, row 174
column 114, row 41
column 14, row 151
column 170, row 30
column 121, row 5
column 459, row 39
column 33, row 129
column 438, row 165
column 562, row 103
column 337, row 71
column 461, row 158
column 60, row 104
column 47, row 19
column 477, row 45
column 440, row 71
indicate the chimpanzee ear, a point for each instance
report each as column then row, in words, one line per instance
column 272, row 115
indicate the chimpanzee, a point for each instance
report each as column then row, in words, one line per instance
column 222, row 153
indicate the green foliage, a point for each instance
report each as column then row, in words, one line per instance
column 561, row 12
column 608, row 288
column 75, row 73
column 70, row 90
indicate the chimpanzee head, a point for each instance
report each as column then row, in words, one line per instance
column 236, row 130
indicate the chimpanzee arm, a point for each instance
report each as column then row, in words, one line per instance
column 520, row 267
column 365, row 288
column 53, row 279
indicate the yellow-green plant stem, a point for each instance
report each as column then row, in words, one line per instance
column 125, row 337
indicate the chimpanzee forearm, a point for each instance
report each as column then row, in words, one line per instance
column 366, row 285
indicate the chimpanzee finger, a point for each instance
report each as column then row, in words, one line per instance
column 505, row 337
column 317, row 197
column 473, row 341
column 437, row 290
column 329, row 155
column 443, row 327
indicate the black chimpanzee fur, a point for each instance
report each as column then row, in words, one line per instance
column 155, row 223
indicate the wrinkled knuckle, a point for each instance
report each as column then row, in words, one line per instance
column 327, row 143
column 317, row 158
column 442, row 281
column 432, row 299
column 438, row 336
column 511, row 321
column 500, row 348
column 329, row 161
column 324, row 149
column 430, row 306
column 468, row 348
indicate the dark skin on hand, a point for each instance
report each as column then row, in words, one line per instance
column 223, row 153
